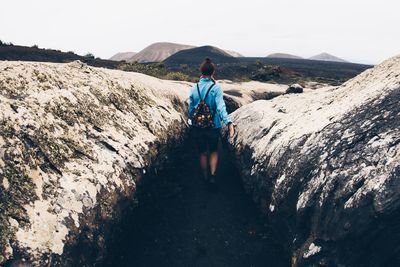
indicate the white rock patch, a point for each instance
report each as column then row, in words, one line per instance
column 312, row 250
column 6, row 184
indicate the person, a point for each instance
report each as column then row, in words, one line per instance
column 207, row 138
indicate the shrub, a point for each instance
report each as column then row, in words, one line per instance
column 6, row 43
column 259, row 63
column 158, row 70
column 89, row 55
column 184, row 66
column 159, row 65
column 176, row 76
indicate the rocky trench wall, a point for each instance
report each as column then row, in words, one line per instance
column 74, row 143
column 324, row 166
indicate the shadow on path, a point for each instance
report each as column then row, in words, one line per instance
column 178, row 222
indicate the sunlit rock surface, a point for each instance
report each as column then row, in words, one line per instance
column 74, row 142
column 240, row 94
column 325, row 167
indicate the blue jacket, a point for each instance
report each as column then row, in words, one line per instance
column 214, row 101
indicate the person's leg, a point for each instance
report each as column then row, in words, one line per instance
column 204, row 164
column 201, row 143
column 213, row 146
column 213, row 162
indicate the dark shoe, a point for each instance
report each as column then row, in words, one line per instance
column 212, row 184
column 205, row 180
column 212, row 179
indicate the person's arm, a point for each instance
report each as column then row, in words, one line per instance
column 220, row 106
column 191, row 104
column 221, row 109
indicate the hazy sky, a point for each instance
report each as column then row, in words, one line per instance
column 358, row 30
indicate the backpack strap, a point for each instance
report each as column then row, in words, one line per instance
column 209, row 89
column 198, row 91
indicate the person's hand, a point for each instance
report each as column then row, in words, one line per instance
column 231, row 130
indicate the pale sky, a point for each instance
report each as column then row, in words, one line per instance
column 365, row 31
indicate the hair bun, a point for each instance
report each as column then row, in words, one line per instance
column 207, row 67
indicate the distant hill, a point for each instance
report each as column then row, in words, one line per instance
column 234, row 53
column 122, row 56
column 198, row 54
column 26, row 53
column 157, row 52
column 283, row 55
column 327, row 57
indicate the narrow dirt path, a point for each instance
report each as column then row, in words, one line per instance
column 179, row 222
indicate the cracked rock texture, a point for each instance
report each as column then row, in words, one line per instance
column 325, row 168
column 74, row 143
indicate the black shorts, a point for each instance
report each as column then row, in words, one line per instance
column 206, row 139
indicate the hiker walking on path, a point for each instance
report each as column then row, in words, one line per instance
column 206, row 111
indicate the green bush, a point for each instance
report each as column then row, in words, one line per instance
column 89, row 55
column 5, row 43
column 259, row 63
column 184, row 66
column 158, row 70
column 176, row 76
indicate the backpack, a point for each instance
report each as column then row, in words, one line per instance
column 202, row 117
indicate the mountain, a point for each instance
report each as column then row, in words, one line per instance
column 157, row 52
column 122, row 56
column 283, row 55
column 234, row 53
column 327, row 57
column 198, row 54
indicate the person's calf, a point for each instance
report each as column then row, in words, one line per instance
column 213, row 163
column 204, row 164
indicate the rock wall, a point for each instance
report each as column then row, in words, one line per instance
column 325, row 168
column 74, row 143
